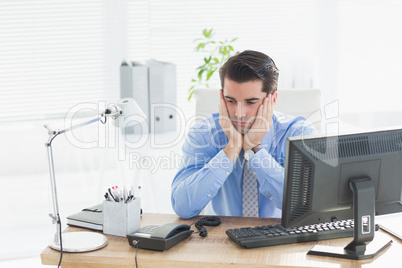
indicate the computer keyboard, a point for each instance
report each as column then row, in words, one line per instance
column 271, row 235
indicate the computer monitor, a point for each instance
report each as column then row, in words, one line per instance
column 355, row 176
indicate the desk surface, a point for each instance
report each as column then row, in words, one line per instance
column 216, row 250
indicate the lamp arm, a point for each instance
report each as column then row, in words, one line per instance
column 113, row 112
column 80, row 125
column 53, row 134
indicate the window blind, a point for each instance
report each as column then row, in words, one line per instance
column 53, row 55
column 165, row 30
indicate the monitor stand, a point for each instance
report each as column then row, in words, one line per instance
column 363, row 213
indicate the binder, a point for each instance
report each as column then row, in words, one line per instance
column 90, row 218
column 162, row 92
column 134, row 84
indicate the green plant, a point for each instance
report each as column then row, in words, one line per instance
column 217, row 53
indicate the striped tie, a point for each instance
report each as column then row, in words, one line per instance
column 250, row 192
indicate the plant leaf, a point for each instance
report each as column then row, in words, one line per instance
column 191, row 94
column 200, row 74
column 210, row 73
column 215, row 53
column 210, row 32
column 225, row 50
column 199, row 46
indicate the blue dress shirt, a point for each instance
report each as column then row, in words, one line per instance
column 207, row 175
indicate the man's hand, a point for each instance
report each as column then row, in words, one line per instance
column 235, row 138
column 261, row 125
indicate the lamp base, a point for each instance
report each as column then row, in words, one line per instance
column 80, row 242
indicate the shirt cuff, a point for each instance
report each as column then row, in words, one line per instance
column 220, row 165
column 262, row 159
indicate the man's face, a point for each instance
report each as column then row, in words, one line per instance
column 242, row 101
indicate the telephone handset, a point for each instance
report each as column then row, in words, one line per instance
column 159, row 237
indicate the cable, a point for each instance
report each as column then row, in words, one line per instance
column 104, row 120
column 136, row 250
column 208, row 221
column 61, row 242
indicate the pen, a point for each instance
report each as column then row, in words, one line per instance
column 125, row 194
column 116, row 193
column 129, row 198
column 119, row 193
column 111, row 195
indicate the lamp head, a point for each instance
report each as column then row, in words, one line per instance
column 126, row 113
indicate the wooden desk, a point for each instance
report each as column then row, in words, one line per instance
column 216, row 250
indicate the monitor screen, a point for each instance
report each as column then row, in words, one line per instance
column 318, row 171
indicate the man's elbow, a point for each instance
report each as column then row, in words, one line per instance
column 183, row 211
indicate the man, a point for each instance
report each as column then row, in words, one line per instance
column 234, row 160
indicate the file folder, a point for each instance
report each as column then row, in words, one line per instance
column 134, row 84
column 162, row 92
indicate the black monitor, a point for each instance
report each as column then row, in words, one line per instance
column 355, row 176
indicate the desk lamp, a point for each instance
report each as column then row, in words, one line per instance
column 87, row 241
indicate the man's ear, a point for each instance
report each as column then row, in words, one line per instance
column 275, row 96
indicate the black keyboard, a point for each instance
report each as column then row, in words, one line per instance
column 271, row 235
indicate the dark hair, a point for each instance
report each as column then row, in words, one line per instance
column 251, row 65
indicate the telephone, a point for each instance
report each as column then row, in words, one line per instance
column 160, row 238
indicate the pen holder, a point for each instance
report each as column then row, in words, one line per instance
column 121, row 218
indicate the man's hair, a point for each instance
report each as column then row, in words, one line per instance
column 248, row 66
